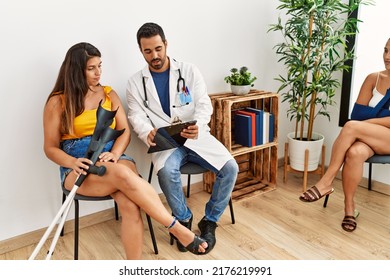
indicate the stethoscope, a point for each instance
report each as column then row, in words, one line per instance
column 180, row 80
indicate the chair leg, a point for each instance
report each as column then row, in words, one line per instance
column 150, row 173
column 369, row 175
column 116, row 211
column 232, row 211
column 188, row 185
column 152, row 234
column 76, row 229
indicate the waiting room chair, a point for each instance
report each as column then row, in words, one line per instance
column 383, row 159
column 77, row 198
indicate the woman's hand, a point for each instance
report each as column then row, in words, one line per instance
column 108, row 156
column 80, row 165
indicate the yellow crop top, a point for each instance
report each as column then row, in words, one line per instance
column 84, row 124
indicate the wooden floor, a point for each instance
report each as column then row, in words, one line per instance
column 271, row 226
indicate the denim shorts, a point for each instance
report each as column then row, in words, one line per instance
column 78, row 148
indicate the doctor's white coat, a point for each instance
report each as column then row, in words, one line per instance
column 143, row 119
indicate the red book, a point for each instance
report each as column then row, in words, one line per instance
column 253, row 116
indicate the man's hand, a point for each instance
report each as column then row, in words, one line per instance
column 150, row 138
column 191, row 132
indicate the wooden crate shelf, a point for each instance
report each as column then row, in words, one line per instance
column 257, row 164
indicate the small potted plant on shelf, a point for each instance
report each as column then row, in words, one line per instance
column 240, row 81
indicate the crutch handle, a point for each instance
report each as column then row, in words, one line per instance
column 98, row 170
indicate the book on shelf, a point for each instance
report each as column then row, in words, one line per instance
column 253, row 123
column 271, row 127
column 243, row 130
column 256, row 129
column 265, row 125
column 259, row 123
column 266, row 128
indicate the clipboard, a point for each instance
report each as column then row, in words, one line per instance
column 168, row 137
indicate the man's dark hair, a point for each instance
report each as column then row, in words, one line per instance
column 148, row 30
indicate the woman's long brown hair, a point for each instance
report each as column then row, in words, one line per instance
column 72, row 83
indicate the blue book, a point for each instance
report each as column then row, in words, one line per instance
column 271, row 127
column 259, row 124
column 243, row 130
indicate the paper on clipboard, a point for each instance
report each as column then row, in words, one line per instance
column 168, row 137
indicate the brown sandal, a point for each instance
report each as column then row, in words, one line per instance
column 313, row 194
column 349, row 222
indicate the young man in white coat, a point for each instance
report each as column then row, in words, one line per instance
column 160, row 94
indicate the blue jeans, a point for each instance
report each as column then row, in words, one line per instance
column 169, row 178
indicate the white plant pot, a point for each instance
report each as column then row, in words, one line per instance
column 296, row 151
column 240, row 90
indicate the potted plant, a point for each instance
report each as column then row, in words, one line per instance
column 314, row 48
column 240, row 81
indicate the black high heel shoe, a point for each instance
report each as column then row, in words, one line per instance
column 180, row 246
column 193, row 247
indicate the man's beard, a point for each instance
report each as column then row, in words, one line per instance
column 157, row 66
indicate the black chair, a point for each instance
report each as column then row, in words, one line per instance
column 383, row 159
column 189, row 169
column 77, row 198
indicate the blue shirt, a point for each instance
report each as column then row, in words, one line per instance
column 161, row 81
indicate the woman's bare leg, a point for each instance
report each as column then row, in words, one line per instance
column 375, row 136
column 352, row 173
column 132, row 227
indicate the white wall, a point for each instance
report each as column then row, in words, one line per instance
column 369, row 43
column 35, row 35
